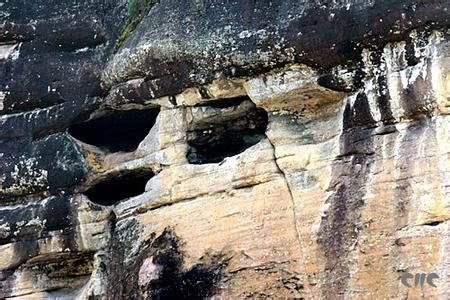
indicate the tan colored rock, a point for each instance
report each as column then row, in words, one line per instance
column 219, row 89
column 293, row 90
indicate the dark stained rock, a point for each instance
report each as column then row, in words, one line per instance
column 60, row 50
column 51, row 165
column 51, row 80
column 190, row 43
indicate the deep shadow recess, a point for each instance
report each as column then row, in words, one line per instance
column 225, row 133
column 119, row 187
column 117, row 131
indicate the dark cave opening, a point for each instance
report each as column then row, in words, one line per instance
column 223, row 136
column 119, row 187
column 116, row 131
column 224, row 103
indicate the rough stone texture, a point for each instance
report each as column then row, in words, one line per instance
column 246, row 149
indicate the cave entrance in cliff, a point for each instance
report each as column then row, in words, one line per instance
column 119, row 187
column 229, row 127
column 117, row 131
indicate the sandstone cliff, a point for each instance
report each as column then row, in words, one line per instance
column 224, row 149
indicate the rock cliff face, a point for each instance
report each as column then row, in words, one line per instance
column 224, row 149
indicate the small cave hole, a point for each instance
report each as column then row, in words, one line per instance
column 226, row 135
column 434, row 223
column 119, row 187
column 224, row 103
column 118, row 131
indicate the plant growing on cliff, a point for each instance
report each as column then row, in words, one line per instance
column 135, row 7
column 136, row 10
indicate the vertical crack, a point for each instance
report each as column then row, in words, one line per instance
column 294, row 215
column 289, row 189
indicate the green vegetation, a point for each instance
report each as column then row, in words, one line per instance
column 135, row 7
column 137, row 10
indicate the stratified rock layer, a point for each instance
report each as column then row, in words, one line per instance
column 233, row 149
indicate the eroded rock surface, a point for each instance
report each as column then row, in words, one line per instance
column 224, row 149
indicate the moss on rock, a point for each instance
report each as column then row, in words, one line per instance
column 136, row 10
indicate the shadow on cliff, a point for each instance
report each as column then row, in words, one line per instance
column 175, row 282
column 158, row 271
